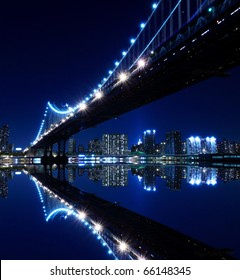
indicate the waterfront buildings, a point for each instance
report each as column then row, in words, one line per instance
column 149, row 141
column 173, row 143
column 72, row 146
column 4, row 139
column 115, row 144
column 95, row 146
column 197, row 145
column 228, row 147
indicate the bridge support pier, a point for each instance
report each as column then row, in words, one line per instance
column 61, row 156
column 48, row 158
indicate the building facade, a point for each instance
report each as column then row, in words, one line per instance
column 4, row 138
column 72, row 145
column 115, row 144
column 173, row 143
column 228, row 147
column 95, row 146
column 149, row 141
column 197, row 145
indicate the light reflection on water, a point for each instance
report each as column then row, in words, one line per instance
column 201, row 202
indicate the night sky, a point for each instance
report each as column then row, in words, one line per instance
column 59, row 51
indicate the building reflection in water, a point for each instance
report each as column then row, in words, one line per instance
column 124, row 234
column 109, row 175
column 5, row 175
column 173, row 175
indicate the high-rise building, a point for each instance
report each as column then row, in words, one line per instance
column 4, row 138
column 81, row 148
column 114, row 144
column 173, row 143
column 72, row 146
column 227, row 147
column 95, row 146
column 184, row 147
column 197, row 145
column 149, row 141
column 161, row 148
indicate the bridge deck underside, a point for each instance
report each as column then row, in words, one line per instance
column 209, row 56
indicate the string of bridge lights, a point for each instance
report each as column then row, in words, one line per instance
column 122, row 246
column 98, row 93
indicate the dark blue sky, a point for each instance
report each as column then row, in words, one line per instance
column 59, row 51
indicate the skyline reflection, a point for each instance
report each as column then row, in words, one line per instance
column 117, row 175
column 124, row 234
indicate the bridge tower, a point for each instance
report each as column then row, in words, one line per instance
column 60, row 159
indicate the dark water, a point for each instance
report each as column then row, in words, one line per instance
column 199, row 202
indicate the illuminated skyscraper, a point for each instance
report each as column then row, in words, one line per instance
column 4, row 137
column 173, row 143
column 95, row 146
column 115, row 144
column 149, row 141
column 81, row 148
column 227, row 147
column 197, row 145
column 72, row 146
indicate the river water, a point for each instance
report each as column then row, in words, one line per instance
column 36, row 223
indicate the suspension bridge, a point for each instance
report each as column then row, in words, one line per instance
column 181, row 43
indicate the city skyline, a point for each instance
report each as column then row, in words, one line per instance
column 119, row 132
column 44, row 57
column 96, row 145
column 150, row 143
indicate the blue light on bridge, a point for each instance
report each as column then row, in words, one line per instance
column 142, row 25
column 124, row 53
column 132, row 40
column 56, row 110
column 154, row 5
column 59, row 210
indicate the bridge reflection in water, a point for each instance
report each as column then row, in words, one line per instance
column 125, row 234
